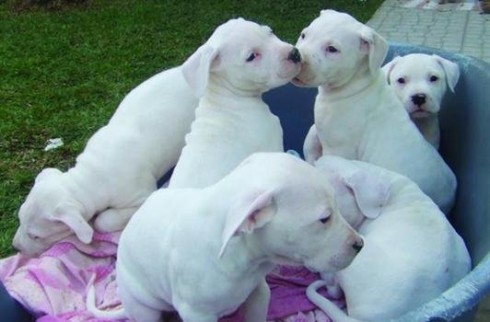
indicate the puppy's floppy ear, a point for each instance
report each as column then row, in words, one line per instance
column 388, row 68
column 70, row 216
column 47, row 172
column 197, row 67
column 375, row 46
column 247, row 213
column 370, row 191
column 451, row 69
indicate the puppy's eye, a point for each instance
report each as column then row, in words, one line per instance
column 332, row 49
column 401, row 80
column 251, row 57
column 303, row 35
column 325, row 220
column 434, row 78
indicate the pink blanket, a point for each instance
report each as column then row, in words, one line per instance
column 53, row 286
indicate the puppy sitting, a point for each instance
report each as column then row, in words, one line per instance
column 117, row 170
column 203, row 252
column 357, row 115
column 419, row 81
column 239, row 62
column 411, row 253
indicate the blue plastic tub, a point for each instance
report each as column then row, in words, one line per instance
column 465, row 145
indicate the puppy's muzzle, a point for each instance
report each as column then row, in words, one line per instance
column 358, row 244
column 294, row 56
column 419, row 99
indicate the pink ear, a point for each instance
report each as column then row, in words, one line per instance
column 70, row 216
column 388, row 68
column 250, row 212
column 370, row 191
column 451, row 70
column 375, row 46
column 197, row 67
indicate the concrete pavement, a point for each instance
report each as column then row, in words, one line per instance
column 456, row 27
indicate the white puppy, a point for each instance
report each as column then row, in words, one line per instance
column 411, row 253
column 117, row 170
column 206, row 257
column 239, row 62
column 357, row 115
column 419, row 81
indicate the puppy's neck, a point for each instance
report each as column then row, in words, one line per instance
column 229, row 100
column 224, row 90
column 355, row 86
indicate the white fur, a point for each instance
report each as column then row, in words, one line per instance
column 117, row 170
column 213, row 253
column 357, row 116
column 411, row 254
column 420, row 82
column 232, row 121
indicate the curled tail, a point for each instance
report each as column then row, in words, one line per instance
column 329, row 308
column 92, row 307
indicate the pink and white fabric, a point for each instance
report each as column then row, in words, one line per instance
column 53, row 287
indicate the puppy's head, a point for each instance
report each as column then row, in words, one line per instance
column 419, row 81
column 291, row 216
column 244, row 57
column 335, row 47
column 49, row 214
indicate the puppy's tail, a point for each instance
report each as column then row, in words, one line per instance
column 329, row 308
column 92, row 307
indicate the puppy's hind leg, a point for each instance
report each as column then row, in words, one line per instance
column 113, row 219
column 137, row 311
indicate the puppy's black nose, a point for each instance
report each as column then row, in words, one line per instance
column 294, row 56
column 419, row 99
column 358, row 245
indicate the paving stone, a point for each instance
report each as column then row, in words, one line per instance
column 453, row 30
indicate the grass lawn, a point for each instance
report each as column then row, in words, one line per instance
column 63, row 73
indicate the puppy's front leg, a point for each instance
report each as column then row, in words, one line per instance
column 257, row 303
column 312, row 147
column 113, row 219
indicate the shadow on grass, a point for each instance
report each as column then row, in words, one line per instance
column 53, row 5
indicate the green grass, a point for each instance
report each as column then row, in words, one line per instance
column 63, row 73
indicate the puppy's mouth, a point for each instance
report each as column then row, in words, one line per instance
column 282, row 260
column 419, row 113
column 288, row 74
column 298, row 82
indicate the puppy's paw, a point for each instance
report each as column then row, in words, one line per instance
column 113, row 219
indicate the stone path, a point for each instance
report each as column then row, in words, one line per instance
column 445, row 27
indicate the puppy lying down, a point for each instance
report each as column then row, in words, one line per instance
column 411, row 255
